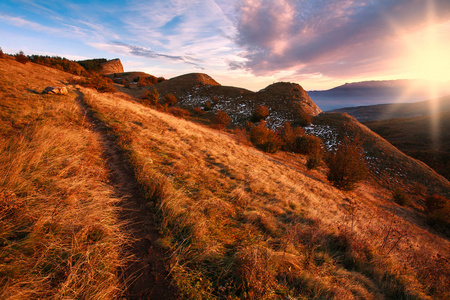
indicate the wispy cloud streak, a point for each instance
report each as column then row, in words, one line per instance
column 144, row 52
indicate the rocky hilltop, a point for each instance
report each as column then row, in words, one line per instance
column 111, row 67
column 286, row 101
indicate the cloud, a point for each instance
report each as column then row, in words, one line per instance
column 120, row 47
column 329, row 37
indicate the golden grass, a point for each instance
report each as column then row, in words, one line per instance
column 244, row 224
column 60, row 237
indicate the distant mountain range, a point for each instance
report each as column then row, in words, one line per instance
column 378, row 92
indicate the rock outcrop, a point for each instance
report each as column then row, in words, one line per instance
column 111, row 67
column 283, row 95
column 55, row 90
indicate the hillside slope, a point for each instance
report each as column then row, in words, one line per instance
column 236, row 222
column 416, row 137
column 250, row 225
column 60, row 235
column 386, row 162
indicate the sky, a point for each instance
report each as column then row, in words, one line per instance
column 319, row 44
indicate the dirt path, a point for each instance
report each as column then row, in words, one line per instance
column 146, row 275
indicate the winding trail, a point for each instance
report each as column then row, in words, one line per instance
column 145, row 275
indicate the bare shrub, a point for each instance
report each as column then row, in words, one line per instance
column 20, row 57
column 169, row 99
column 346, row 165
column 241, row 135
column 307, row 144
column 264, row 138
column 208, row 105
column 147, row 81
column 399, row 196
column 101, row 83
column 179, row 112
column 314, row 160
column 150, row 98
column 199, row 111
column 288, row 134
column 260, row 113
column 220, row 120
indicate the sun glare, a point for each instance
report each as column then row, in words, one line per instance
column 426, row 55
column 423, row 54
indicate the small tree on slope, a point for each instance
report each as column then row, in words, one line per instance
column 346, row 165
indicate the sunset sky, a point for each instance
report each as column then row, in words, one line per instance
column 250, row 43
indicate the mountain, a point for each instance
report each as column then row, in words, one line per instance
column 104, row 197
column 377, row 92
column 397, row 110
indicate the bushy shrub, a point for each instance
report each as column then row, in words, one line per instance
column 399, row 196
column 179, row 112
column 169, row 99
column 264, row 138
column 1, row 53
column 260, row 113
column 346, row 165
column 288, row 134
column 101, row 83
column 307, row 144
column 147, row 80
column 314, row 161
column 20, row 57
column 241, row 135
column 150, row 98
column 220, row 120
column 302, row 118
column 208, row 105
column 199, row 111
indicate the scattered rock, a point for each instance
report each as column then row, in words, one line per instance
column 55, row 90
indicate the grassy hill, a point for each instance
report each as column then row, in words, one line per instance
column 231, row 221
column 60, row 235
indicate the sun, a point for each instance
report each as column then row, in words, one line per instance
column 427, row 55
column 430, row 62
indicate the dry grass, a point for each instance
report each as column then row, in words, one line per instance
column 59, row 234
column 247, row 225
